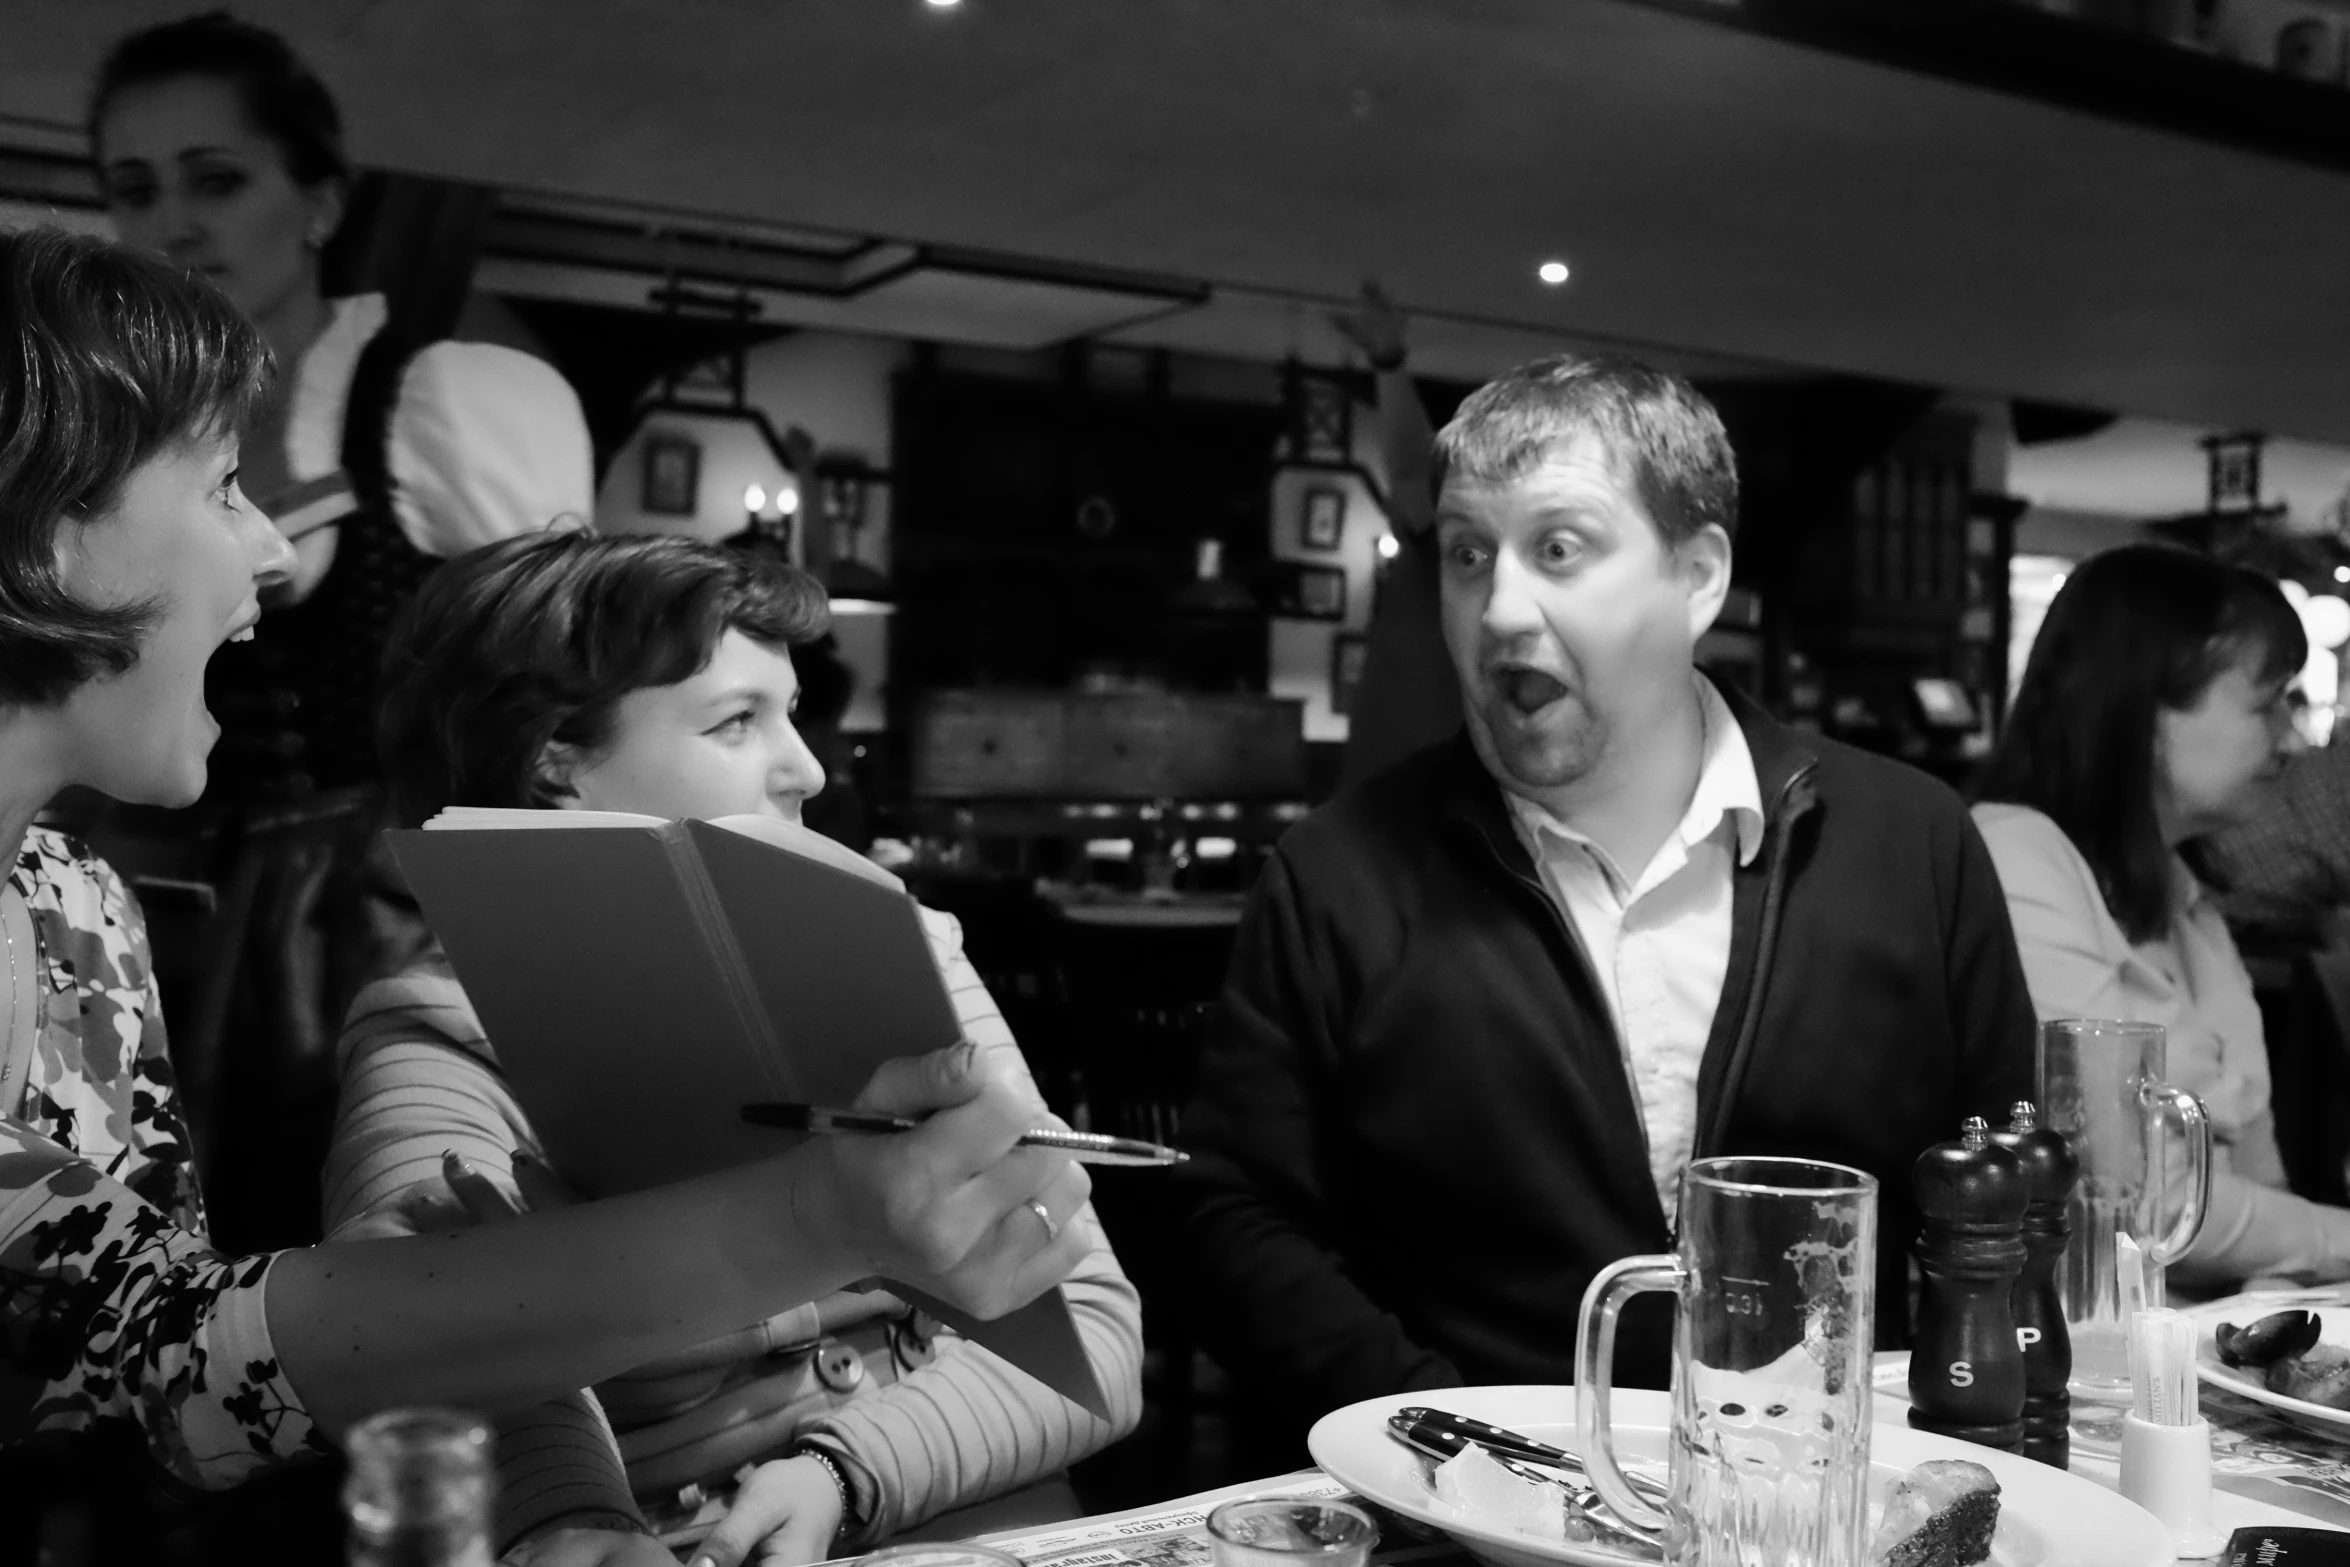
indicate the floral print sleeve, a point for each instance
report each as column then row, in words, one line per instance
column 113, row 1308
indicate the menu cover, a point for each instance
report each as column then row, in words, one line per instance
column 642, row 979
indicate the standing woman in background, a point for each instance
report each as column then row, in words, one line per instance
column 381, row 452
column 218, row 149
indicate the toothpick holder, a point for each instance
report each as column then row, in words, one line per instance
column 2167, row 1471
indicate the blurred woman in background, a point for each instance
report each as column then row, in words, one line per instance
column 2153, row 710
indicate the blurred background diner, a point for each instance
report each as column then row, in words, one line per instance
column 1039, row 336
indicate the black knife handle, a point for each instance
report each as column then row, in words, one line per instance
column 1434, row 1440
column 1498, row 1438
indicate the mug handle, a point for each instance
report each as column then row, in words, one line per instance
column 1595, row 1364
column 2195, row 1130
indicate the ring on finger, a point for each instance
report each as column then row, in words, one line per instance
column 1044, row 1216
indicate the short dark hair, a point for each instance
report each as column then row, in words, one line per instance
column 111, row 358
column 1657, row 427
column 282, row 97
column 536, row 639
column 2133, row 631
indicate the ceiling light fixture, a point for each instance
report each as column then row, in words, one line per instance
column 1552, row 273
column 942, row 5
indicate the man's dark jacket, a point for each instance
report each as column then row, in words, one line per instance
column 1413, row 1138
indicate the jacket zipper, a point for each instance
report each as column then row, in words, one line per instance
column 1558, row 920
column 1750, row 1014
column 1750, row 1011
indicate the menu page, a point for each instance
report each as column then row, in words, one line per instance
column 2256, row 1452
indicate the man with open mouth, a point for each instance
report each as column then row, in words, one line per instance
column 1488, row 1005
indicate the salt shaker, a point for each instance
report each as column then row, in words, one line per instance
column 1966, row 1371
column 2052, row 1167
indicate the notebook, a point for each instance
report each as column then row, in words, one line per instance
column 642, row 979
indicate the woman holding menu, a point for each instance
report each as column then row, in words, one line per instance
column 128, row 556
column 654, row 675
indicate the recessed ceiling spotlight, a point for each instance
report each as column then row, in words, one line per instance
column 1552, row 272
column 2342, row 573
column 942, row 5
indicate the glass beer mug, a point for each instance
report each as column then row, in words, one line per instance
column 2101, row 1086
column 1775, row 1281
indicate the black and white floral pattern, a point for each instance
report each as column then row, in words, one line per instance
column 113, row 1307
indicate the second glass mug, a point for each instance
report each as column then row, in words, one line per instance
column 2101, row 1084
column 1775, row 1279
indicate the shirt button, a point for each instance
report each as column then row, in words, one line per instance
column 840, row 1368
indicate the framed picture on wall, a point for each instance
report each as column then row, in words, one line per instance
column 1346, row 670
column 1324, row 522
column 1310, row 592
column 673, row 475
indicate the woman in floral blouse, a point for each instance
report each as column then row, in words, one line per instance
column 127, row 556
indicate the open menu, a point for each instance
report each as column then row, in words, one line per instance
column 642, row 979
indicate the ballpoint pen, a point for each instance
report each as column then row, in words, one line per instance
column 1084, row 1147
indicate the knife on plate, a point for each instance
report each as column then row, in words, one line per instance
column 1435, row 1443
column 1442, row 1432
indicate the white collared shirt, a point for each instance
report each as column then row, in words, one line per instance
column 1659, row 942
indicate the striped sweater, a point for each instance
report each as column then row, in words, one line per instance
column 419, row 1079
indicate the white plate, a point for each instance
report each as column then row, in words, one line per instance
column 2046, row 1518
column 2333, row 1327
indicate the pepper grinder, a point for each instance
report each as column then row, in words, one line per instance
column 2052, row 1167
column 1966, row 1371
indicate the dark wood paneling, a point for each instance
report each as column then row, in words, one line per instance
column 1042, row 526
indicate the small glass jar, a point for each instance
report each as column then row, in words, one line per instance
column 418, row 1490
column 1290, row 1531
column 939, row 1553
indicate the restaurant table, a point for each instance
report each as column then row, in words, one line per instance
column 2266, row 1471
column 1136, row 975
column 1143, row 910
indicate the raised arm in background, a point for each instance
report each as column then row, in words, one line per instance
column 1408, row 697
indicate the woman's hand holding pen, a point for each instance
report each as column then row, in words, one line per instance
column 954, row 1207
column 951, row 1207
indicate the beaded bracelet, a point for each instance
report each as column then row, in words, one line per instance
column 840, row 1483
